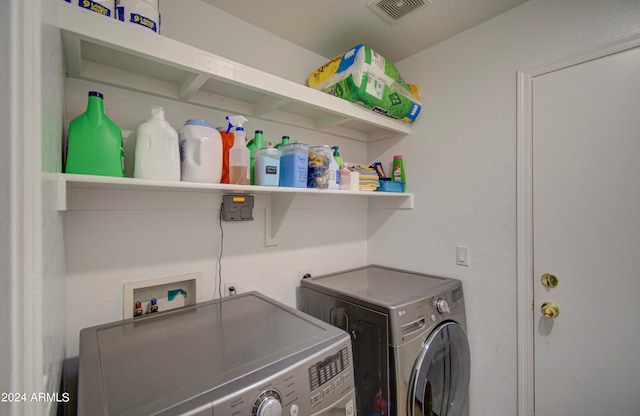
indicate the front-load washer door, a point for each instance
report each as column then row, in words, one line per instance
column 439, row 384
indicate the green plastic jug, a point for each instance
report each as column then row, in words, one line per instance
column 94, row 146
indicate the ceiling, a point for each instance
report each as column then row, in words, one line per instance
column 331, row 27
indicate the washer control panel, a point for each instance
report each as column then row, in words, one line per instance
column 268, row 403
column 328, row 369
column 317, row 383
column 330, row 375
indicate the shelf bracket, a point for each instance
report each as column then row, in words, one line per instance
column 55, row 190
column 190, row 85
column 277, row 208
column 73, row 55
column 392, row 204
column 267, row 104
column 329, row 120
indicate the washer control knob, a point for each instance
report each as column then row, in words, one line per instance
column 443, row 306
column 268, row 404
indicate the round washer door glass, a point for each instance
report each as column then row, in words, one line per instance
column 439, row 384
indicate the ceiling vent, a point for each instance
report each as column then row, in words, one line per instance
column 395, row 10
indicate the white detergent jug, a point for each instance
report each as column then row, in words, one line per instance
column 200, row 152
column 157, row 149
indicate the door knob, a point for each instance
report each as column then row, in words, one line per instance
column 549, row 280
column 550, row 310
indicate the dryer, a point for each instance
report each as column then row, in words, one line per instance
column 408, row 333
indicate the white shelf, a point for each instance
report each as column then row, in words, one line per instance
column 111, row 182
column 278, row 199
column 66, row 181
column 107, row 51
column 110, row 52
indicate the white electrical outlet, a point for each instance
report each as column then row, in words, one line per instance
column 169, row 292
column 230, row 289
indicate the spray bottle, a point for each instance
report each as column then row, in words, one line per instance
column 239, row 155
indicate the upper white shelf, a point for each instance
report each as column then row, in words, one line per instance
column 110, row 52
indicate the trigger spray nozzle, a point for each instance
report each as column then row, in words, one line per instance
column 235, row 121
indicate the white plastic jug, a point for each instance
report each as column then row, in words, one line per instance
column 200, row 152
column 157, row 149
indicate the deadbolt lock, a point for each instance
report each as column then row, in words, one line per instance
column 549, row 280
column 550, row 310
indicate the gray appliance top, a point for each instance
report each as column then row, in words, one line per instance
column 145, row 365
column 379, row 286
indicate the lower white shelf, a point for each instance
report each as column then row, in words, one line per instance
column 94, row 192
column 65, row 181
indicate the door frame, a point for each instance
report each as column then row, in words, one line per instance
column 524, row 207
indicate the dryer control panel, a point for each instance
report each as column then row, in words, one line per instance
column 414, row 318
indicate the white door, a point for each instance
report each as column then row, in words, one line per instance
column 586, row 231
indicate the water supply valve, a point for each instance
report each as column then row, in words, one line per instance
column 153, row 306
column 138, row 309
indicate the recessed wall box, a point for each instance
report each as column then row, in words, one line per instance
column 169, row 292
column 237, row 207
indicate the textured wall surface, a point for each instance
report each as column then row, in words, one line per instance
column 461, row 165
column 220, row 33
column 107, row 247
column 53, row 251
column 460, row 160
column 5, row 203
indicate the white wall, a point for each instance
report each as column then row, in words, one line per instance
column 53, row 266
column 460, row 161
column 33, row 314
column 199, row 24
column 461, row 164
column 106, row 248
column 6, row 326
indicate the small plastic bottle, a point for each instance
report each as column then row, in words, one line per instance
column 334, row 174
column 398, row 171
column 345, row 178
column 354, row 178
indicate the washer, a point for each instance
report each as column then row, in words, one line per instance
column 246, row 355
column 408, row 332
